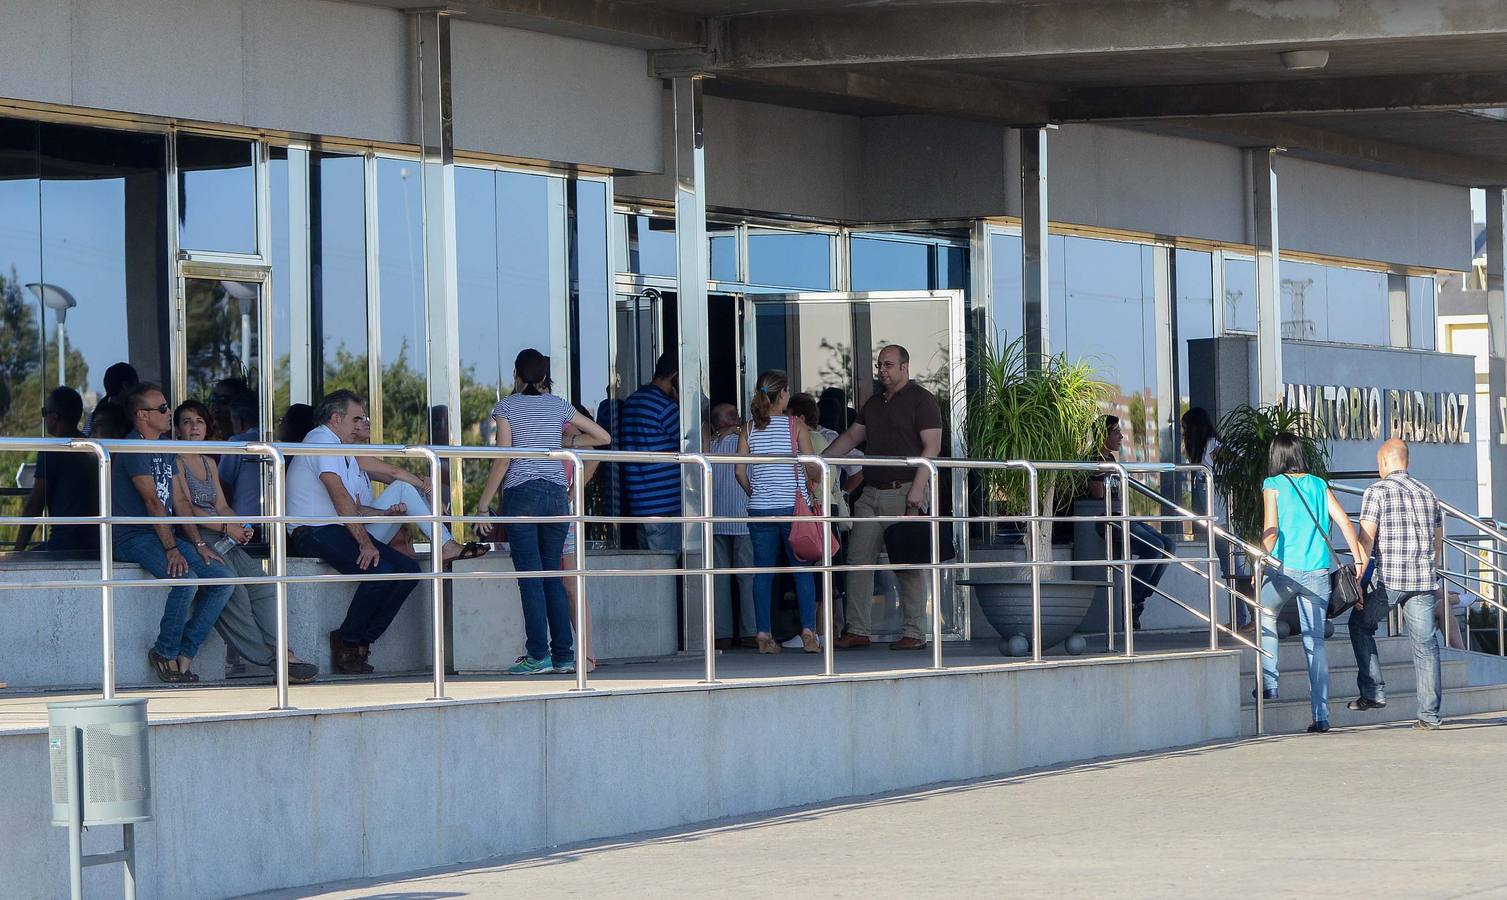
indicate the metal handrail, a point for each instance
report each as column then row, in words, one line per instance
column 280, row 519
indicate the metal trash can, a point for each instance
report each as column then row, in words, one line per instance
column 111, row 737
column 101, row 775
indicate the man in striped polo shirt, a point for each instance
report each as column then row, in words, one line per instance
column 651, row 423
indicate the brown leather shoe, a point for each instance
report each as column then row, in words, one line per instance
column 723, row 643
column 908, row 643
column 850, row 641
column 749, row 643
column 344, row 659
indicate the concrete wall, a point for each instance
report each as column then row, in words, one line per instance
column 918, row 167
column 334, row 69
column 768, row 158
column 1364, row 215
column 365, row 792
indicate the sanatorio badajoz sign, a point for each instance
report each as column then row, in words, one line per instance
column 1372, row 414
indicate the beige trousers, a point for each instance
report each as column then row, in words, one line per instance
column 865, row 542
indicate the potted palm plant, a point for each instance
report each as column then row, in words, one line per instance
column 1245, row 439
column 1042, row 408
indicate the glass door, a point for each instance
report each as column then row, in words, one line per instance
column 829, row 343
column 220, row 334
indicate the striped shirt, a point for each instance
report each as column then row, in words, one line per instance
column 650, row 423
column 1405, row 513
column 537, row 422
column 728, row 498
column 774, row 484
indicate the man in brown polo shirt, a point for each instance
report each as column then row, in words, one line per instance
column 905, row 420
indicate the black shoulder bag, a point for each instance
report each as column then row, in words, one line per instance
column 1344, row 587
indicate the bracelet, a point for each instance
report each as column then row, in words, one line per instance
column 200, row 544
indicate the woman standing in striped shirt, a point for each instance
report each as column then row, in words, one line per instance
column 771, row 491
column 532, row 419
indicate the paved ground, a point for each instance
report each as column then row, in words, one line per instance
column 1377, row 812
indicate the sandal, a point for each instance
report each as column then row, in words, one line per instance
column 471, row 550
column 163, row 667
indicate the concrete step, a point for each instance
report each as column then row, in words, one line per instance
column 1399, row 678
column 1391, row 650
column 1291, row 716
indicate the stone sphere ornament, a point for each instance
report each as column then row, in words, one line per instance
column 1075, row 645
column 1015, row 645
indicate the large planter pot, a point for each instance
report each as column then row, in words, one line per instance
column 1004, row 551
column 1007, row 606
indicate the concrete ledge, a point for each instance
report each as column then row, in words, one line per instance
column 345, row 794
column 51, row 639
column 632, row 618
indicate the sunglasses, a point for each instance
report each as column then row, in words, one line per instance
column 160, row 408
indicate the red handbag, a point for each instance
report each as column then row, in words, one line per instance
column 806, row 533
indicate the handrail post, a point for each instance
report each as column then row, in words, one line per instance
column 578, row 571
column 436, row 567
column 708, row 579
column 277, row 541
column 1034, row 531
column 829, row 652
column 1109, row 592
column 106, row 569
column 934, row 497
column 1213, row 549
column 1125, row 557
column 1258, row 575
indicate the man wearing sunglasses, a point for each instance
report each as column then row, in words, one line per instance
column 143, row 486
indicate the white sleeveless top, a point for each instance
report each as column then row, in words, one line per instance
column 774, row 484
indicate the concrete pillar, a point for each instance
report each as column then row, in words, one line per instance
column 431, row 35
column 1033, row 241
column 690, row 305
column 1496, row 318
column 1268, row 274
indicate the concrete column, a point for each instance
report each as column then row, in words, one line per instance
column 1268, row 274
column 431, row 33
column 690, row 305
column 1496, row 318
column 1033, row 241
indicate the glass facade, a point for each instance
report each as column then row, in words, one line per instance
column 216, row 194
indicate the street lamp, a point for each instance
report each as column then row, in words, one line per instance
column 244, row 294
column 59, row 301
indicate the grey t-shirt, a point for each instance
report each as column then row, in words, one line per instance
column 126, row 500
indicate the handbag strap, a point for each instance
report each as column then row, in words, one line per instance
column 1334, row 555
column 800, row 470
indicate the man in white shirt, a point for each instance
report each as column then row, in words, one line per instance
column 326, row 487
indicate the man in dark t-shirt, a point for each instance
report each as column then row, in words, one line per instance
column 66, row 482
column 904, row 420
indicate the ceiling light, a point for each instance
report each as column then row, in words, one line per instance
column 1304, row 59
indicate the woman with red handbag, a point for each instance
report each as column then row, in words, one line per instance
column 772, row 490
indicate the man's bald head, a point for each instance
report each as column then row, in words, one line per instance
column 725, row 415
column 1391, row 457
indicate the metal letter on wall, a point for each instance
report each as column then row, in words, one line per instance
column 690, row 305
column 1033, row 241
column 437, row 163
column 1262, row 164
column 1496, row 320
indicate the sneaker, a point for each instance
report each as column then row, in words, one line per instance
column 527, row 665
column 1268, row 694
column 1421, row 725
column 565, row 668
column 793, row 643
column 1361, row 704
column 1319, row 728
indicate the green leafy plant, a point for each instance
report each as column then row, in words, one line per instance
column 1046, row 409
column 1245, row 439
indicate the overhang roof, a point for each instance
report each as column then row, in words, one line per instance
column 1403, row 91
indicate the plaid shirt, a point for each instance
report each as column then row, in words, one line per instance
column 1405, row 513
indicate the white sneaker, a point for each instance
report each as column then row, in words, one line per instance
column 792, row 643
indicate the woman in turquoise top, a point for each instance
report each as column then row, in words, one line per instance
column 1299, row 510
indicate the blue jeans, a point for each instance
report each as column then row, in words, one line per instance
column 375, row 603
column 1311, row 591
column 180, row 633
column 1418, row 609
column 538, row 548
column 769, row 538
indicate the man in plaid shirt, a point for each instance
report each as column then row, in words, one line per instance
column 1400, row 518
